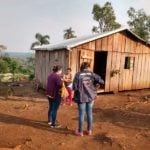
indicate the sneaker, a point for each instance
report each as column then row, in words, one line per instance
column 78, row 133
column 55, row 126
column 88, row 132
column 49, row 123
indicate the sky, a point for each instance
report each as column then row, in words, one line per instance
column 20, row 20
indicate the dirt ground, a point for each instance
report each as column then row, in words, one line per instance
column 121, row 122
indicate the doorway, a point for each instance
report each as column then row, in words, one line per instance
column 100, row 62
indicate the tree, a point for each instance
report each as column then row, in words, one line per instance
column 2, row 47
column 14, row 68
column 105, row 17
column 31, row 64
column 139, row 23
column 3, row 66
column 69, row 33
column 40, row 40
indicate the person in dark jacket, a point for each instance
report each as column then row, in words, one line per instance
column 84, row 95
column 54, row 85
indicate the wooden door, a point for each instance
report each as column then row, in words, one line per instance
column 86, row 56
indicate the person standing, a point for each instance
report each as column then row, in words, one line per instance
column 68, row 84
column 84, row 95
column 54, row 84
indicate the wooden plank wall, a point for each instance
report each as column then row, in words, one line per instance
column 45, row 60
column 36, row 65
column 119, row 46
column 74, row 59
column 76, row 53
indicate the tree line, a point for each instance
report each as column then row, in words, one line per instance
column 14, row 66
column 139, row 23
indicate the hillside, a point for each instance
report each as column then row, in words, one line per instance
column 20, row 55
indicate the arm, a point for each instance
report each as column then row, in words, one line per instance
column 59, row 82
column 75, row 82
column 98, row 79
column 70, row 80
column 67, row 79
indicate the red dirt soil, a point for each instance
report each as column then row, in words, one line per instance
column 121, row 122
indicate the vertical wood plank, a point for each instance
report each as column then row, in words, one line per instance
column 130, row 73
column 135, row 71
column 120, row 40
column 47, row 66
column 108, row 70
column 104, row 44
column 121, row 76
column 126, row 79
column 110, row 43
column 127, row 45
column 117, row 67
column 146, row 70
column 142, row 72
column 139, row 72
column 113, row 78
column 123, row 43
column 115, row 42
column 98, row 45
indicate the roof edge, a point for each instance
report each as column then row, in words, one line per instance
column 70, row 46
column 97, row 37
column 109, row 33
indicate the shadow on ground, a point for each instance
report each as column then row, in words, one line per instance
column 9, row 119
column 122, row 118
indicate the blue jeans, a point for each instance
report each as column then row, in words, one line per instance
column 53, row 108
column 82, row 107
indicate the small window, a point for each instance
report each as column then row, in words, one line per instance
column 129, row 63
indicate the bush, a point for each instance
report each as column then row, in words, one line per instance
column 31, row 77
column 3, row 66
column 19, row 69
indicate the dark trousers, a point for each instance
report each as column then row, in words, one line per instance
column 53, row 108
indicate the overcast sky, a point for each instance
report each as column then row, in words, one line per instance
column 21, row 19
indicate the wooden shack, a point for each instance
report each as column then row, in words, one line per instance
column 120, row 57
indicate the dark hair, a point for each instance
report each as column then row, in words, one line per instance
column 84, row 65
column 69, row 69
column 57, row 68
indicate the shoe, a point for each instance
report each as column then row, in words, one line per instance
column 77, row 133
column 55, row 126
column 49, row 123
column 88, row 132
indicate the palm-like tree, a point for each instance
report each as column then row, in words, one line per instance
column 40, row 40
column 69, row 33
column 2, row 47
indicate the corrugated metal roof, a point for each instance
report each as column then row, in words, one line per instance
column 70, row 43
